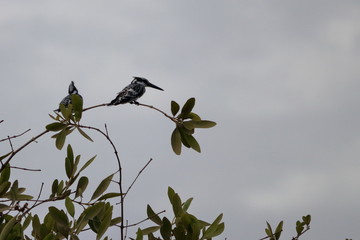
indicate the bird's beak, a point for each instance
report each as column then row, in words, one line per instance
column 154, row 86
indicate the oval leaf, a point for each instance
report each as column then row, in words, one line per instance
column 56, row 126
column 70, row 206
column 102, row 187
column 174, row 108
column 82, row 184
column 152, row 215
column 204, row 124
column 84, row 134
column 176, row 141
column 187, row 108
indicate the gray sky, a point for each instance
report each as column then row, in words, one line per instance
column 279, row 77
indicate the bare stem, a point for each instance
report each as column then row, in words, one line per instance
column 147, row 164
column 106, row 135
column 175, row 120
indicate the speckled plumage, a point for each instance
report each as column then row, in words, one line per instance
column 133, row 91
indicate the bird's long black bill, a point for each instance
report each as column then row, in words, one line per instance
column 154, row 86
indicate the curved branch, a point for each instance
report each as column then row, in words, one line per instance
column 106, row 135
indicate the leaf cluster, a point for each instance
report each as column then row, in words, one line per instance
column 183, row 226
column 301, row 227
column 97, row 214
column 67, row 121
column 186, row 123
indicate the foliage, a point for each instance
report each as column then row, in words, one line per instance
column 18, row 219
column 184, row 225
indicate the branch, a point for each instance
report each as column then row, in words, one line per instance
column 21, row 148
column 175, row 120
column 106, row 135
column 26, row 169
column 15, row 136
column 135, row 224
column 96, row 106
column 137, row 177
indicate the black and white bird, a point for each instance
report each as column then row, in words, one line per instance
column 67, row 100
column 133, row 91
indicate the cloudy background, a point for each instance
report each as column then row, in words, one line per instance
column 281, row 79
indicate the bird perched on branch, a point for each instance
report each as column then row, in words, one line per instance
column 133, row 91
column 67, row 100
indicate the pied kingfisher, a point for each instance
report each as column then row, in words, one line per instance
column 67, row 100
column 133, row 91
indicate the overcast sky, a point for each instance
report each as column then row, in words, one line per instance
column 281, row 79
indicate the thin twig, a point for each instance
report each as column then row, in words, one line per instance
column 26, row 169
column 21, row 148
column 271, row 235
column 1, row 121
column 135, row 224
column 137, row 177
column 175, row 120
column 96, row 106
column 11, row 146
column 15, row 136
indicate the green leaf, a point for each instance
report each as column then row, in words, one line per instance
column 82, row 184
column 105, row 224
column 70, row 206
column 5, row 174
column 174, row 108
column 176, row 141
column 278, row 230
column 176, row 205
column 189, row 125
column 56, row 126
column 193, row 143
column 77, row 102
column 139, row 234
column 194, row 116
column 186, row 205
column 23, row 197
column 66, row 111
column 203, row 124
column 109, row 195
column 184, row 137
column 115, row 221
column 84, row 134
column 60, row 139
column 88, row 214
column 102, row 187
column 213, row 227
column 4, row 187
column 69, row 167
column 149, row 230
column 27, row 221
column 87, row 163
column 268, row 230
column 153, row 216
column 219, row 230
column 307, row 219
column 59, row 216
column 70, row 153
column 54, row 187
column 7, row 228
column 165, row 229
column 171, row 193
column 187, row 108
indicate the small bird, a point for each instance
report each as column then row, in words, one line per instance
column 67, row 100
column 133, row 91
